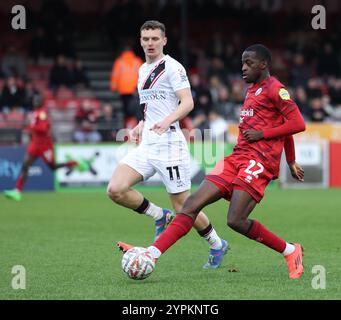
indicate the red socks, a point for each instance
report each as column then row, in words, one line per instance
column 261, row 234
column 180, row 226
column 20, row 183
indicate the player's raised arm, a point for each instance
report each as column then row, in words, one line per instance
column 185, row 107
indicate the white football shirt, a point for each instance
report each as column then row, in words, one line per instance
column 157, row 84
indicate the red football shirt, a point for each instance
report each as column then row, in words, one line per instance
column 267, row 106
column 40, row 127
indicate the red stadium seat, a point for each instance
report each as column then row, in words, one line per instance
column 64, row 93
column 38, row 72
column 47, row 94
column 50, row 103
column 71, row 103
column 15, row 119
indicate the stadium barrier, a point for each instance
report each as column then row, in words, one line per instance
column 320, row 159
column 40, row 177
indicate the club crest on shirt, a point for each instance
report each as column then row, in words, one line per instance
column 284, row 94
column 259, row 91
column 152, row 76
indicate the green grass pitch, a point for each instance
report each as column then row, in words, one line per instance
column 65, row 242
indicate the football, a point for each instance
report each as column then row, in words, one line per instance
column 137, row 263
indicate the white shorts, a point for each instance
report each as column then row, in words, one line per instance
column 170, row 161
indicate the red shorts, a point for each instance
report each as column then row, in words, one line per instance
column 244, row 172
column 45, row 151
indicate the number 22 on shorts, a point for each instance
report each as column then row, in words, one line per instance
column 256, row 172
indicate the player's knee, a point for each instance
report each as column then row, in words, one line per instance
column 115, row 192
column 236, row 224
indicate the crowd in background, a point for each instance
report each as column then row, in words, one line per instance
column 307, row 61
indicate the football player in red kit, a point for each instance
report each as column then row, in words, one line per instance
column 268, row 119
column 41, row 145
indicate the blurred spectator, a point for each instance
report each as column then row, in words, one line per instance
column 214, row 85
column 302, row 102
column 224, row 107
column 107, row 123
column 335, row 91
column 314, row 88
column 334, row 112
column 60, row 73
column 13, row 64
column 124, row 77
column 238, row 92
column 217, row 68
column 86, row 120
column 202, row 103
column 317, row 111
column 12, row 95
column 300, row 71
column 78, row 75
column 29, row 92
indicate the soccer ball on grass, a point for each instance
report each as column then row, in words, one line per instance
column 137, row 263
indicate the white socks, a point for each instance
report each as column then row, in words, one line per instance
column 155, row 252
column 213, row 239
column 290, row 248
column 154, row 211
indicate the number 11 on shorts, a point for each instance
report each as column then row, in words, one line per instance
column 170, row 171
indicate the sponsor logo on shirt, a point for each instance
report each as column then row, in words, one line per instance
column 152, row 95
column 245, row 113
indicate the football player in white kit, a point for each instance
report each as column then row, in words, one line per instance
column 166, row 98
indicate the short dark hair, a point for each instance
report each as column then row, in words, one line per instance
column 153, row 24
column 262, row 52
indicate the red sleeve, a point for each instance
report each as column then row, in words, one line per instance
column 294, row 121
column 289, row 148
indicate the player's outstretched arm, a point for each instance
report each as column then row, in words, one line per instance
column 185, row 107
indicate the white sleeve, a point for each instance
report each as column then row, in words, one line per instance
column 178, row 77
